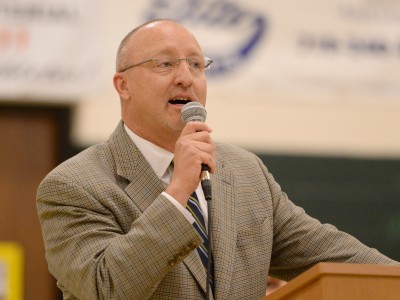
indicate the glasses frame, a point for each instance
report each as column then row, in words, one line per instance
column 208, row 62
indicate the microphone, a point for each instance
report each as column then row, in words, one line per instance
column 191, row 112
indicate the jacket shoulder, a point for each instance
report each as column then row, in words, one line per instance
column 234, row 154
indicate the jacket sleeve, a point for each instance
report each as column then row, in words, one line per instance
column 95, row 254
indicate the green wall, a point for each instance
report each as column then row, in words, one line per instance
column 359, row 196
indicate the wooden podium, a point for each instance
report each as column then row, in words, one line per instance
column 331, row 281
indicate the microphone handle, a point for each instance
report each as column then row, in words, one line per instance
column 206, row 185
column 206, row 181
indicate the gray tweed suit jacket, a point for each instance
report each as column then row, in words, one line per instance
column 110, row 234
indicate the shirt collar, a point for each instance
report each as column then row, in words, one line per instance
column 158, row 158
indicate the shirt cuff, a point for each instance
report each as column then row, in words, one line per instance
column 179, row 206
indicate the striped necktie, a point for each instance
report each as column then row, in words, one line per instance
column 193, row 206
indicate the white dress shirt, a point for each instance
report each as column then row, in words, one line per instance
column 160, row 160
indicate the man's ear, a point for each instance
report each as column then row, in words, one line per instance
column 121, row 85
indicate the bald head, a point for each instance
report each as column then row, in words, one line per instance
column 128, row 42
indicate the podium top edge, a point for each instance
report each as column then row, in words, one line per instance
column 321, row 270
column 356, row 269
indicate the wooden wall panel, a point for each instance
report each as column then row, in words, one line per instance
column 29, row 149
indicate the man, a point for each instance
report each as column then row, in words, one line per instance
column 114, row 217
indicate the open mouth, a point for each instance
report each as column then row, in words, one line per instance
column 179, row 101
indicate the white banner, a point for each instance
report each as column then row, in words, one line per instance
column 309, row 50
column 312, row 50
column 49, row 49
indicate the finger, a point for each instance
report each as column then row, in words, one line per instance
column 195, row 138
column 210, row 162
column 193, row 127
column 196, row 147
column 193, row 153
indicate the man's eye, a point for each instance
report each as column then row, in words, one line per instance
column 163, row 64
column 195, row 64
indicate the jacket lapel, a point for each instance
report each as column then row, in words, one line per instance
column 144, row 186
column 196, row 267
column 223, row 229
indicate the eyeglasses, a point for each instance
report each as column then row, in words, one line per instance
column 165, row 64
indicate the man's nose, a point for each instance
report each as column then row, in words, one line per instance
column 183, row 74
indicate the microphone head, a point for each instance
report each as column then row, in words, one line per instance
column 193, row 111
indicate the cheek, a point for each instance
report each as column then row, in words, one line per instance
column 150, row 87
column 202, row 90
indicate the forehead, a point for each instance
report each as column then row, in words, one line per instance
column 164, row 37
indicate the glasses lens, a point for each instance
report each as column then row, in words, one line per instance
column 195, row 64
column 164, row 63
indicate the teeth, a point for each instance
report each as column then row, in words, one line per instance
column 183, row 99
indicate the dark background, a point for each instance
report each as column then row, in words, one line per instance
column 359, row 196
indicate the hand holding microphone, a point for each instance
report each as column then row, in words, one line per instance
column 195, row 112
column 193, row 148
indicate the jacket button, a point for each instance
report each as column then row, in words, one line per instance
column 172, row 262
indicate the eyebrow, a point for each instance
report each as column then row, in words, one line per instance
column 170, row 53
